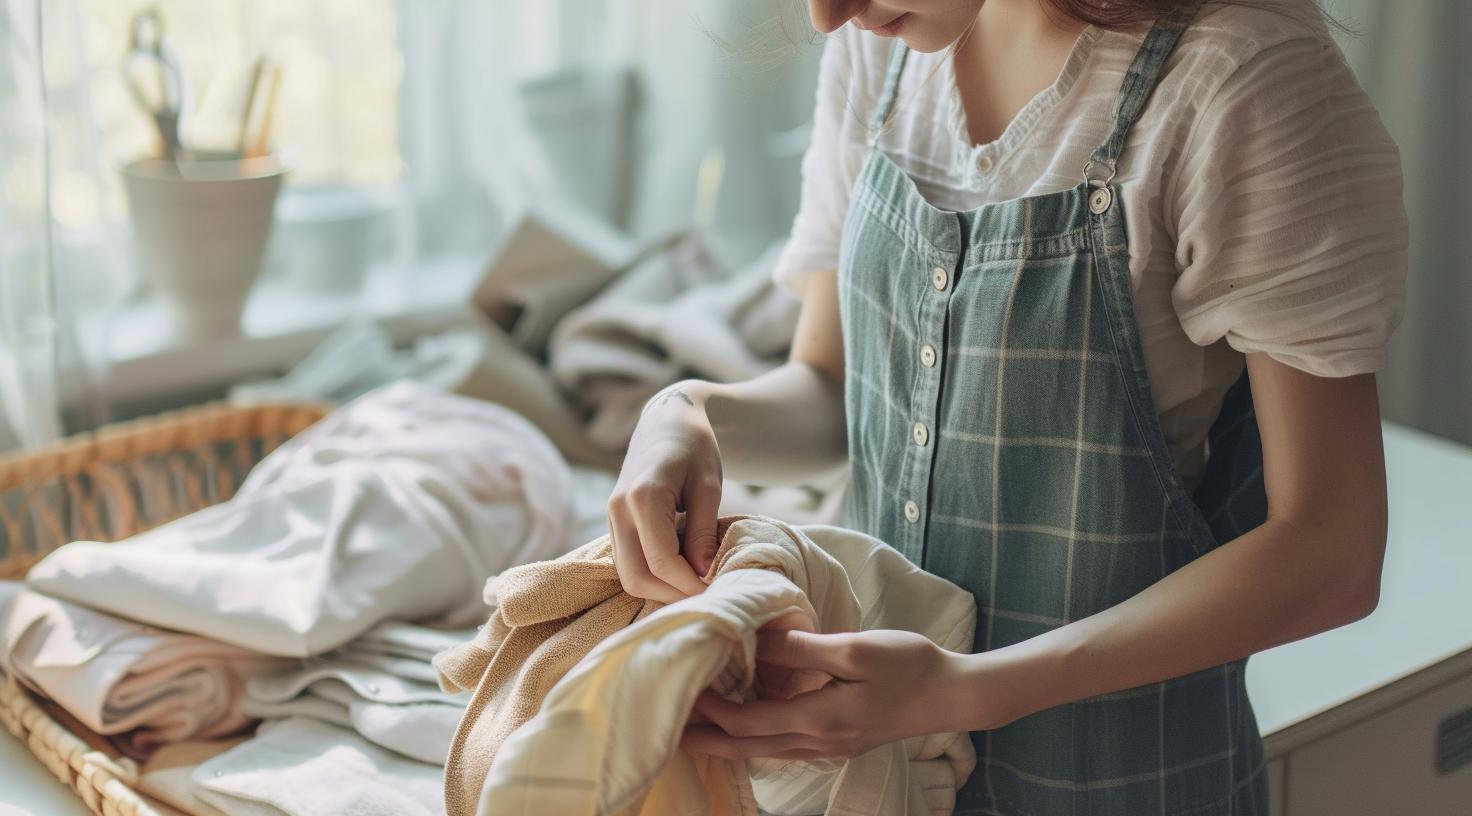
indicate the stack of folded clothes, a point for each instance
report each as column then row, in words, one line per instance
column 314, row 600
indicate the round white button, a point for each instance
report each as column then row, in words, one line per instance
column 984, row 163
column 927, row 355
column 921, row 434
column 912, row 511
column 1099, row 200
column 939, row 278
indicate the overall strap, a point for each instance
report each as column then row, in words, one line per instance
column 1139, row 81
column 891, row 89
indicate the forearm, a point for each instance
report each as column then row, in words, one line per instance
column 1273, row 585
column 785, row 427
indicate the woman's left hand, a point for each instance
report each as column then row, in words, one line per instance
column 887, row 685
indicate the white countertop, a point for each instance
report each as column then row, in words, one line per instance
column 1425, row 615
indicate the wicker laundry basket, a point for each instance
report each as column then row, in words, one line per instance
column 104, row 486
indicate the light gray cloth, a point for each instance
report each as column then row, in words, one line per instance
column 302, row 767
column 397, row 506
column 675, row 314
column 381, row 685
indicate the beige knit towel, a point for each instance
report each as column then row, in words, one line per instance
column 546, row 616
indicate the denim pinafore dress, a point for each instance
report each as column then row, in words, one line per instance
column 1002, row 435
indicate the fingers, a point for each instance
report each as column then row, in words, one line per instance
column 628, row 559
column 789, row 729
column 796, row 649
column 704, row 739
column 802, row 714
column 654, row 518
column 702, row 503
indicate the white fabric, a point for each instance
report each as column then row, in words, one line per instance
column 418, row 730
column 611, row 726
column 142, row 685
column 397, row 506
column 301, row 767
column 167, row 776
column 1263, row 193
column 421, row 731
column 674, row 314
column 381, row 685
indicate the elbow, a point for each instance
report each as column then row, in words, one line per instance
column 1365, row 597
column 1359, row 586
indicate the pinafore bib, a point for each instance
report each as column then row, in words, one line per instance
column 1002, row 435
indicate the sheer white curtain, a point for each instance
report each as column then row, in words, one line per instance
column 614, row 105
column 1412, row 58
column 29, row 413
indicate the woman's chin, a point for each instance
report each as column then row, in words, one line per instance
column 923, row 43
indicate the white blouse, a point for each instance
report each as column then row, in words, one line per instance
column 1262, row 192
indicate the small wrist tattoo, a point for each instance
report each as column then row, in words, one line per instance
column 665, row 396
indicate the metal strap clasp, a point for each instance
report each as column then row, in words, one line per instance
column 1102, row 197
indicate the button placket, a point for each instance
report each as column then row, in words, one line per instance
column 924, row 401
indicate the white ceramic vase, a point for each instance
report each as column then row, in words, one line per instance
column 200, row 232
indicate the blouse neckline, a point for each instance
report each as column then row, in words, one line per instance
column 985, row 155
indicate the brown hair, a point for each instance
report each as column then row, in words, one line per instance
column 1123, row 13
column 1113, row 13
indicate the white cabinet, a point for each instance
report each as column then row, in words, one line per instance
column 1405, row 750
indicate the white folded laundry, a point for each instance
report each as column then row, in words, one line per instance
column 397, row 506
column 302, row 767
column 308, row 704
column 401, row 639
column 357, row 680
column 168, row 775
column 421, row 731
column 141, row 685
column 380, row 685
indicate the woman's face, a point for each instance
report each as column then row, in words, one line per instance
column 924, row 25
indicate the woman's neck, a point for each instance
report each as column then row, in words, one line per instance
column 1028, row 23
column 1015, row 50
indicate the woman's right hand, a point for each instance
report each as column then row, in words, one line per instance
column 673, row 464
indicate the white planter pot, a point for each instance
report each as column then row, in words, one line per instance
column 200, row 234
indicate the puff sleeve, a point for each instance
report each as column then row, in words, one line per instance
column 1291, row 233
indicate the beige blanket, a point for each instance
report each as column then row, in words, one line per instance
column 581, row 691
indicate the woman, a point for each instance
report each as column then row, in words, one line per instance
column 1093, row 297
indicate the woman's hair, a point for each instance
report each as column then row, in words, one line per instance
column 1113, row 13
column 1122, row 13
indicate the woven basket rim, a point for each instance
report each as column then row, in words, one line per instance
column 156, row 433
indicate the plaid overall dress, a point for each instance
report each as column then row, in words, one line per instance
column 1002, row 435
